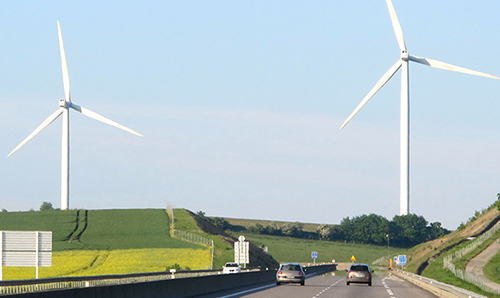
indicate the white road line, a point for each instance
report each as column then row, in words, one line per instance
column 391, row 294
column 247, row 291
column 327, row 288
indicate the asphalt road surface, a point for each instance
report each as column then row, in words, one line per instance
column 383, row 286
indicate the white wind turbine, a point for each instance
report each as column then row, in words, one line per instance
column 402, row 63
column 64, row 105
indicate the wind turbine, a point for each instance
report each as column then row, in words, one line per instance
column 403, row 61
column 64, row 105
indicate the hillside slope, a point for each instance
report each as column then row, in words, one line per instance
column 421, row 255
column 257, row 256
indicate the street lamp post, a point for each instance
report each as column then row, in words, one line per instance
column 388, row 255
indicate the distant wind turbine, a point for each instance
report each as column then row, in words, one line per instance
column 402, row 63
column 64, row 105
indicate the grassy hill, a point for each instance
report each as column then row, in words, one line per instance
column 110, row 242
column 106, row 229
column 427, row 258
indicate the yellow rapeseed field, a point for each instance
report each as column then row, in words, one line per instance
column 104, row 262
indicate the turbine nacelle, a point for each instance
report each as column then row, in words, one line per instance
column 404, row 55
column 63, row 103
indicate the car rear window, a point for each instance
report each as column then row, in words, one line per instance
column 231, row 265
column 291, row 267
column 359, row 268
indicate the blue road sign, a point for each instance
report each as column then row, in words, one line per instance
column 314, row 255
column 402, row 260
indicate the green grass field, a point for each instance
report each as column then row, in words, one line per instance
column 130, row 228
column 107, row 229
column 299, row 250
column 114, row 242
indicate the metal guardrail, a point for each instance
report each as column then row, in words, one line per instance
column 37, row 285
column 458, row 292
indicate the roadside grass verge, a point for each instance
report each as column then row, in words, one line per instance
column 285, row 249
column 436, row 271
column 223, row 251
column 95, row 262
column 492, row 269
column 185, row 222
column 462, row 263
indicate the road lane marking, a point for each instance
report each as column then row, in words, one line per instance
column 247, row 291
column 327, row 288
column 391, row 294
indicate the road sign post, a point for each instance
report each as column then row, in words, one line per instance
column 314, row 256
column 402, row 260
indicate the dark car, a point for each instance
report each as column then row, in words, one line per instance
column 291, row 273
column 359, row 273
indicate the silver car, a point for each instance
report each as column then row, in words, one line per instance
column 359, row 273
column 291, row 273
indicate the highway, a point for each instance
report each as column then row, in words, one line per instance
column 333, row 286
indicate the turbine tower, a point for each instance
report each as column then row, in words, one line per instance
column 403, row 61
column 64, row 105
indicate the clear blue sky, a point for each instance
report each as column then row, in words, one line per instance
column 240, row 104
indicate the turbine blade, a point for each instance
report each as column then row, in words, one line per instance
column 64, row 66
column 44, row 124
column 96, row 116
column 397, row 27
column 446, row 66
column 384, row 79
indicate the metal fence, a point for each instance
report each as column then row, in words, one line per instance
column 189, row 237
column 479, row 281
column 194, row 238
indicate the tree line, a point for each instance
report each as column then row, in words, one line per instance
column 402, row 230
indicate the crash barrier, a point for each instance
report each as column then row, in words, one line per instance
column 437, row 288
column 479, row 281
column 312, row 270
column 161, row 284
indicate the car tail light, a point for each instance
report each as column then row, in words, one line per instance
column 280, row 272
column 348, row 274
column 300, row 273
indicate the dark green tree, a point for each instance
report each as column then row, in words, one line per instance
column 412, row 229
column 46, row 206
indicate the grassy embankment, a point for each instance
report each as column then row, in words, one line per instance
column 286, row 249
column 223, row 251
column 114, row 242
column 434, row 251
